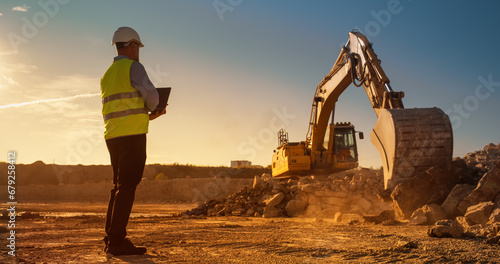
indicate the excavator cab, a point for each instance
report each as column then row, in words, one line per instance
column 339, row 151
column 345, row 144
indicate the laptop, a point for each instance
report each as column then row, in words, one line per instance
column 164, row 94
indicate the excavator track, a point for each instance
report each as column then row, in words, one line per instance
column 411, row 141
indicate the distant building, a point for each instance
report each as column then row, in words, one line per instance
column 240, row 163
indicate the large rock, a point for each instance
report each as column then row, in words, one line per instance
column 295, row 207
column 333, row 200
column 479, row 214
column 310, row 188
column 461, row 220
column 457, row 194
column 427, row 214
column 330, row 212
column 378, row 219
column 496, row 228
column 312, row 211
column 363, row 204
column 429, row 187
column 476, row 231
column 338, row 194
column 266, row 176
column 495, row 215
column 302, row 196
column 352, row 218
column 327, row 206
column 275, row 200
column 486, row 190
column 256, row 182
column 434, row 213
column 270, row 212
column 497, row 199
column 418, row 218
column 338, row 217
column 446, row 228
column 313, row 199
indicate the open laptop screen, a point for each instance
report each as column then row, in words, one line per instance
column 164, row 94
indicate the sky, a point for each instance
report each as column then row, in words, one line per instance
column 240, row 71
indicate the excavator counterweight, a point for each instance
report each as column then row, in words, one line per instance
column 409, row 141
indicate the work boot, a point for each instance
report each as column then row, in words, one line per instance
column 125, row 247
column 106, row 242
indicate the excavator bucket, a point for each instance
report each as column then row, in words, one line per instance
column 411, row 141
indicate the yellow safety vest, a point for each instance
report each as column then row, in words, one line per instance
column 123, row 107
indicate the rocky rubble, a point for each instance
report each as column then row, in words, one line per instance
column 446, row 228
column 464, row 183
column 339, row 196
column 462, row 199
column 429, row 187
column 484, row 160
column 474, row 208
column 427, row 214
column 486, row 190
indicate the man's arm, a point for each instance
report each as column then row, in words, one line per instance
column 140, row 81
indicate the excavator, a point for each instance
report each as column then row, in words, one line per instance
column 409, row 140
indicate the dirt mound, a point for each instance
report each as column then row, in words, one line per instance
column 351, row 192
column 355, row 192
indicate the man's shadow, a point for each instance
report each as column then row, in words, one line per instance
column 145, row 259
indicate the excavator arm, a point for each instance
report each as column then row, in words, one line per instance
column 409, row 140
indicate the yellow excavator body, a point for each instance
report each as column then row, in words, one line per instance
column 291, row 158
column 409, row 141
column 295, row 158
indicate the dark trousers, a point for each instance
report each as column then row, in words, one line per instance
column 128, row 157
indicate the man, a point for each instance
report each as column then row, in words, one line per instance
column 127, row 97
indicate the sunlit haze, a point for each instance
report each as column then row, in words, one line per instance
column 239, row 71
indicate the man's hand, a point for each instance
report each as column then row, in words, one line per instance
column 157, row 114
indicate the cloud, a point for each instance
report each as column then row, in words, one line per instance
column 60, row 111
column 19, row 67
column 30, row 87
column 23, row 8
column 57, row 124
column 10, row 69
column 50, row 100
column 35, row 87
column 10, row 52
column 9, row 80
column 61, row 121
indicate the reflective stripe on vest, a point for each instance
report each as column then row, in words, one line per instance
column 123, row 107
column 121, row 96
column 125, row 113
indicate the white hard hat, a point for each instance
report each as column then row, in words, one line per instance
column 126, row 34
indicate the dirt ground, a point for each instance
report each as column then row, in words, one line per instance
column 72, row 233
